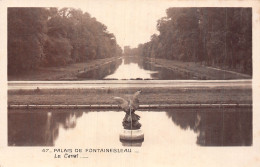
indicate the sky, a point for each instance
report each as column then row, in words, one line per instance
column 132, row 22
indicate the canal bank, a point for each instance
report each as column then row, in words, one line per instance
column 68, row 72
column 129, row 68
column 149, row 95
column 197, row 71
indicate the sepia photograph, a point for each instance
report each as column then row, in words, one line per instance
column 149, row 83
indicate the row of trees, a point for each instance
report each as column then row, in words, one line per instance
column 213, row 36
column 52, row 37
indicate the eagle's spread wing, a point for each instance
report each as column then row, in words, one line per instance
column 122, row 103
column 135, row 101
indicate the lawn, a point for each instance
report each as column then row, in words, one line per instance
column 148, row 96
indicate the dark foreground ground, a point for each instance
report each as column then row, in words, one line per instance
column 148, row 96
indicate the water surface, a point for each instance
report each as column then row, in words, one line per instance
column 168, row 128
column 134, row 68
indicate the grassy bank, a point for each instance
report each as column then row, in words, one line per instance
column 148, row 96
column 68, row 72
column 198, row 71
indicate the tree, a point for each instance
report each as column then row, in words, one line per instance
column 55, row 37
column 213, row 36
column 26, row 36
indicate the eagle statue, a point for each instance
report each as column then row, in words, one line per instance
column 129, row 106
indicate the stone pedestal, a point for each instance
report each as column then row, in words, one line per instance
column 132, row 135
column 134, row 143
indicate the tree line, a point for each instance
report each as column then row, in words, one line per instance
column 40, row 37
column 212, row 36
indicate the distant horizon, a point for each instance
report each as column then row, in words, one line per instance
column 132, row 23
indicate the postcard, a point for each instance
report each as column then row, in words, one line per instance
column 129, row 83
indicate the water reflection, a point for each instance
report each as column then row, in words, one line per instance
column 130, row 70
column 133, row 68
column 98, row 73
column 169, row 128
column 217, row 127
column 38, row 128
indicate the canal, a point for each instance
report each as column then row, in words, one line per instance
column 133, row 68
column 168, row 128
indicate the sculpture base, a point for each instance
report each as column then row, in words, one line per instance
column 132, row 135
column 132, row 143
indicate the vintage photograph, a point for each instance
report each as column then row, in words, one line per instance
column 118, row 78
